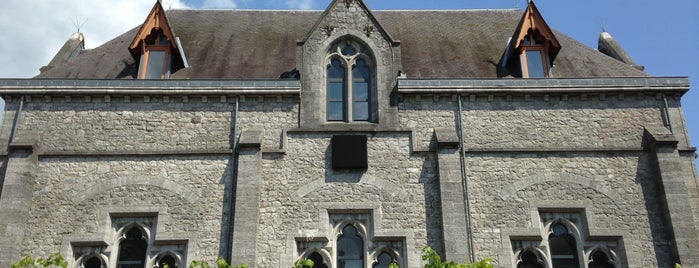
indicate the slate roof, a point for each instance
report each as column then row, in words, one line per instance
column 255, row 44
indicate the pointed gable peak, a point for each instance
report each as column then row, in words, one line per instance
column 155, row 22
column 338, row 17
column 533, row 22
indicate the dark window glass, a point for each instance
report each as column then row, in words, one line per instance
column 563, row 249
column 169, row 260
column 348, row 50
column 361, row 78
column 132, row 250
column 93, row 262
column 601, row 260
column 336, row 91
column 384, row 260
column 156, row 61
column 350, row 249
column 535, row 64
column 317, row 260
column 529, row 260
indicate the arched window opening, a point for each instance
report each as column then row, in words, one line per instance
column 384, row 260
column 601, row 260
column 350, row 249
column 563, row 247
column 317, row 259
column 336, row 91
column 93, row 262
column 168, row 260
column 132, row 249
column 529, row 260
column 349, row 84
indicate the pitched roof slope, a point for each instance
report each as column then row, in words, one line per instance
column 254, row 44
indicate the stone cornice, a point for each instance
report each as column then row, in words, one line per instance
column 148, row 87
column 544, row 86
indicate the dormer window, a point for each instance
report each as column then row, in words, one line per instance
column 155, row 58
column 349, row 84
column 534, row 57
column 533, row 47
column 155, row 47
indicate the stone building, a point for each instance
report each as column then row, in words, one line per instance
column 351, row 137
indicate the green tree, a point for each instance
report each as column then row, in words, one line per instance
column 435, row 261
column 220, row 263
column 54, row 260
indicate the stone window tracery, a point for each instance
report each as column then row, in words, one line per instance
column 350, row 76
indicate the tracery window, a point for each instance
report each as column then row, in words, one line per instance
column 528, row 259
column 563, row 247
column 93, row 262
column 349, row 84
column 350, row 248
column 384, row 260
column 317, row 259
column 132, row 249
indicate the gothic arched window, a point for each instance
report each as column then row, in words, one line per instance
column 601, row 260
column 350, row 248
column 169, row 260
column 93, row 262
column 132, row 249
column 317, row 259
column 562, row 247
column 529, row 260
column 384, row 260
column 349, row 84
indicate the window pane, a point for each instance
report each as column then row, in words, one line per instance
column 93, row 262
column 132, row 250
column 535, row 64
column 336, row 111
column 336, row 92
column 384, row 261
column 350, row 249
column 563, row 248
column 348, row 50
column 360, row 91
column 156, row 60
column 317, row 260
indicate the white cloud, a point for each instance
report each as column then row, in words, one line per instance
column 34, row 30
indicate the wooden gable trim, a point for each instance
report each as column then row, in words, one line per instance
column 532, row 20
column 157, row 19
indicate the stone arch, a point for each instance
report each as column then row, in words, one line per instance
column 106, row 185
column 509, row 191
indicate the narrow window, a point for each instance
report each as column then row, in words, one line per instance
column 350, row 249
column 336, row 91
column 317, row 260
column 562, row 246
column 384, row 260
column 535, row 64
column 601, row 260
column 92, row 262
column 361, row 77
column 167, row 260
column 529, row 260
column 155, row 59
column 132, row 250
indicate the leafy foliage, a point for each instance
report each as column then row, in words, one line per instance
column 220, row 263
column 54, row 260
column 435, row 261
column 677, row 265
column 303, row 263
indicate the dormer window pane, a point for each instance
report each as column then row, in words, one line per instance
column 535, row 64
column 156, row 61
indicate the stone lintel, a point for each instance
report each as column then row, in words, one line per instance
column 446, row 138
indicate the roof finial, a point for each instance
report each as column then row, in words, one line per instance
column 78, row 22
column 603, row 23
